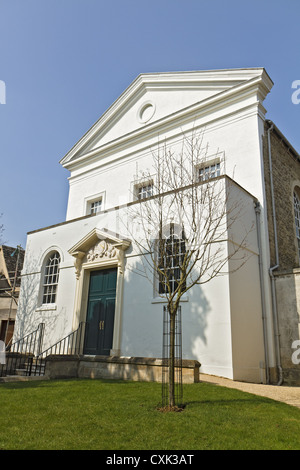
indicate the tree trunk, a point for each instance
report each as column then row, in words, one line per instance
column 172, row 314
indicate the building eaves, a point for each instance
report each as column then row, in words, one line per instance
column 283, row 139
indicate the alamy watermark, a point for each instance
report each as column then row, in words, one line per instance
column 296, row 93
column 2, row 92
column 296, row 354
column 2, row 353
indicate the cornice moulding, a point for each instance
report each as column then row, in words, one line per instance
column 166, row 124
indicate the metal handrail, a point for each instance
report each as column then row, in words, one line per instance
column 28, row 340
column 69, row 345
column 66, row 345
column 26, row 353
column 20, row 352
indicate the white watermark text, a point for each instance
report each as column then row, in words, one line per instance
column 296, row 354
column 2, row 92
column 296, row 93
column 2, row 352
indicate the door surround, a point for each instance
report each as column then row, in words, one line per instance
column 99, row 249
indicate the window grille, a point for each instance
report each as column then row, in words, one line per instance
column 96, row 206
column 51, row 279
column 144, row 191
column 209, row 171
column 171, row 252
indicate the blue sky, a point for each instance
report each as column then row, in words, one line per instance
column 64, row 62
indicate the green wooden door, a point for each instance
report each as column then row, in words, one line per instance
column 101, row 312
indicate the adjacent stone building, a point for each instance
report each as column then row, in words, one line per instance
column 282, row 185
column 11, row 263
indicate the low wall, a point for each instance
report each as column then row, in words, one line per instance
column 122, row 368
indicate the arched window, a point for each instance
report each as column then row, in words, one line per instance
column 51, row 275
column 171, row 252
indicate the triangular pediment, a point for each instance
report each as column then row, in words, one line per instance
column 94, row 237
column 99, row 248
column 152, row 98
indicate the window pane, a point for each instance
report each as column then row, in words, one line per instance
column 96, row 206
column 51, row 279
column 145, row 191
column 171, row 252
column 209, row 171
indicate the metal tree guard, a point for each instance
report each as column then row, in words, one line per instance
column 166, row 358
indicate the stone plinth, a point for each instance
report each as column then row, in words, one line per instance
column 120, row 368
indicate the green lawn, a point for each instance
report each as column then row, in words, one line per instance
column 113, row 415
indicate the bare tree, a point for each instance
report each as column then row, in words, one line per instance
column 182, row 224
column 1, row 231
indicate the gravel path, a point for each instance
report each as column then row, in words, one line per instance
column 289, row 395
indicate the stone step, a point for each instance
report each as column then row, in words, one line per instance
column 20, row 372
column 20, row 378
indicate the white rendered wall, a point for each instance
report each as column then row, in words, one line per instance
column 234, row 133
column 208, row 314
column 58, row 318
column 211, row 321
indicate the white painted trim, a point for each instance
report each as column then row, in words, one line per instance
column 145, row 105
column 92, row 198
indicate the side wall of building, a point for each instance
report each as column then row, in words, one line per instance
column 282, row 175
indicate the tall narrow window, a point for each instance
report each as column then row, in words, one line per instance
column 51, row 278
column 171, row 252
column 297, row 220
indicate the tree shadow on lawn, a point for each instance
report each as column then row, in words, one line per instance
column 232, row 401
column 21, row 385
column 41, row 383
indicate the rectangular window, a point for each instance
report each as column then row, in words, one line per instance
column 49, row 295
column 171, row 254
column 96, row 206
column 144, row 191
column 209, row 171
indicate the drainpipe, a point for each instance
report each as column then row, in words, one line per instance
column 272, row 269
column 262, row 289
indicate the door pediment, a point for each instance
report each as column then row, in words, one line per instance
column 99, row 248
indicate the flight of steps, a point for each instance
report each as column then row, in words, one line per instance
column 19, row 374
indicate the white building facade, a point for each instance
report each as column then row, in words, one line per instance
column 228, row 323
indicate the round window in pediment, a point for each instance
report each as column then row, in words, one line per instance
column 146, row 112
